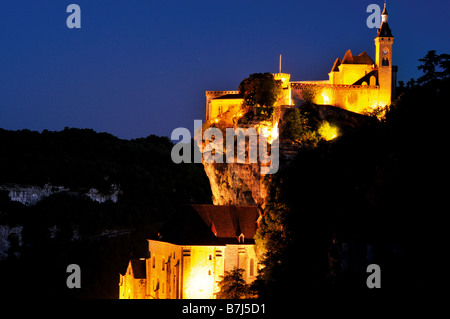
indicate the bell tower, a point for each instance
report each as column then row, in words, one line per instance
column 383, row 59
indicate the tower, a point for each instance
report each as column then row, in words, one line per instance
column 383, row 59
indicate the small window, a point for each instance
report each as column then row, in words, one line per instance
column 163, row 263
column 210, row 257
column 209, row 272
column 252, row 265
column 153, row 262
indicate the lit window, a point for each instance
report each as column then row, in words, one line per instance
column 252, row 265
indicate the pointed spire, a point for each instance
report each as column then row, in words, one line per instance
column 384, row 30
column 384, row 15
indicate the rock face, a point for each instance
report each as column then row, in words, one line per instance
column 31, row 195
column 6, row 233
column 244, row 184
column 236, row 184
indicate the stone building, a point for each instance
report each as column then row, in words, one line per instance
column 133, row 282
column 193, row 252
column 356, row 83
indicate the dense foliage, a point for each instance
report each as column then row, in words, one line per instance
column 373, row 186
column 260, row 89
column 233, row 286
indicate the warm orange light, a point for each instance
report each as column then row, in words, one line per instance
column 328, row 131
column 268, row 131
column 326, row 99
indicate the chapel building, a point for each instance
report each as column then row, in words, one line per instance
column 193, row 252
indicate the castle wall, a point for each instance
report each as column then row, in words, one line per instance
column 350, row 73
column 220, row 106
column 354, row 98
column 210, row 95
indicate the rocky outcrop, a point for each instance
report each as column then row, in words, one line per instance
column 7, row 233
column 235, row 184
column 244, row 184
column 31, row 195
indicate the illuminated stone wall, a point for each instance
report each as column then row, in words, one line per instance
column 194, row 271
column 212, row 111
column 130, row 287
column 354, row 98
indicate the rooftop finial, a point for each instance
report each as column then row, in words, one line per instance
column 280, row 64
column 384, row 15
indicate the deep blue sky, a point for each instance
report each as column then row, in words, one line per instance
column 137, row 68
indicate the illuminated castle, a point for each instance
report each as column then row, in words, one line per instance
column 193, row 252
column 356, row 83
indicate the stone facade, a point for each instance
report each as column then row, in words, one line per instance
column 192, row 255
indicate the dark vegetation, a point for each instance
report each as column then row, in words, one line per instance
column 152, row 188
column 376, row 185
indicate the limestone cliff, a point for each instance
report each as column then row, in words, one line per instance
column 243, row 183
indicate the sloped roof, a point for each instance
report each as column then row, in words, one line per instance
column 138, row 267
column 362, row 58
column 229, row 221
column 366, row 78
column 384, row 31
column 229, row 97
column 211, row 225
column 336, row 65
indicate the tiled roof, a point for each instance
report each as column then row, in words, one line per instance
column 229, row 221
column 384, row 31
column 229, row 97
column 211, row 225
column 336, row 65
column 363, row 58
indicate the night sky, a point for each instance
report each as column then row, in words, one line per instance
column 137, row 68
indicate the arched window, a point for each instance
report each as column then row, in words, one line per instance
column 252, row 266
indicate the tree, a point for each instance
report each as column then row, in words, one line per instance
column 233, row 285
column 444, row 63
column 299, row 124
column 432, row 64
column 430, row 61
column 260, row 89
column 309, row 93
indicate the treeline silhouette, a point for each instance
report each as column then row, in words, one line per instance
column 70, row 228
